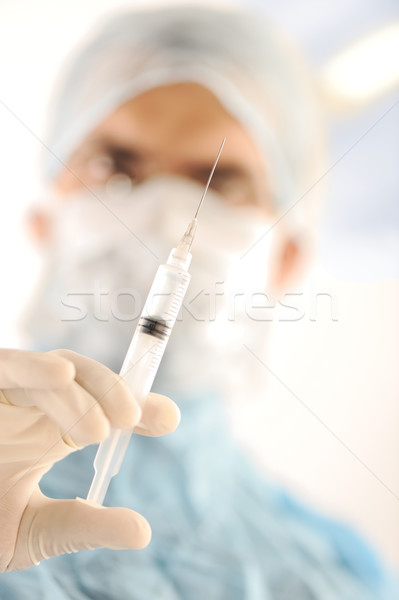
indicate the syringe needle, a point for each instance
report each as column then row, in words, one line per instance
column 184, row 246
column 209, row 179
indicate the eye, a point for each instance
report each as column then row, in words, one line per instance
column 101, row 166
column 233, row 186
column 124, row 163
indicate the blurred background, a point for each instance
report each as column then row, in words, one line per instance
column 328, row 428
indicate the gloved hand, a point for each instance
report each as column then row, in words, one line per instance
column 52, row 404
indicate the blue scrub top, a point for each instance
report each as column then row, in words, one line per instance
column 220, row 531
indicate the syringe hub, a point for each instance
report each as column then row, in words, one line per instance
column 180, row 256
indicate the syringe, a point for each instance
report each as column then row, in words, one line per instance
column 148, row 346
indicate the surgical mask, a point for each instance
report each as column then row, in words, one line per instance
column 105, row 248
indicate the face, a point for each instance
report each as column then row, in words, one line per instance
column 174, row 130
column 177, row 130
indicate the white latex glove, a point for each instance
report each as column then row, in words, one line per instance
column 52, row 404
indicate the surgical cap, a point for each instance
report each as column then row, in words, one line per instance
column 234, row 53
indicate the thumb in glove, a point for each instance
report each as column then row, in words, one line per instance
column 51, row 527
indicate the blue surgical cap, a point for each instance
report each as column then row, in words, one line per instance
column 234, row 53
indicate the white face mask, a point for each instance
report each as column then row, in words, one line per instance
column 101, row 261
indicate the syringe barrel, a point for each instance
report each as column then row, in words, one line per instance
column 166, row 294
column 141, row 364
column 154, row 328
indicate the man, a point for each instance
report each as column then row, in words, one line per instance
column 135, row 131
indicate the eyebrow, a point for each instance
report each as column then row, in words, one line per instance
column 200, row 169
column 224, row 171
column 110, row 146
